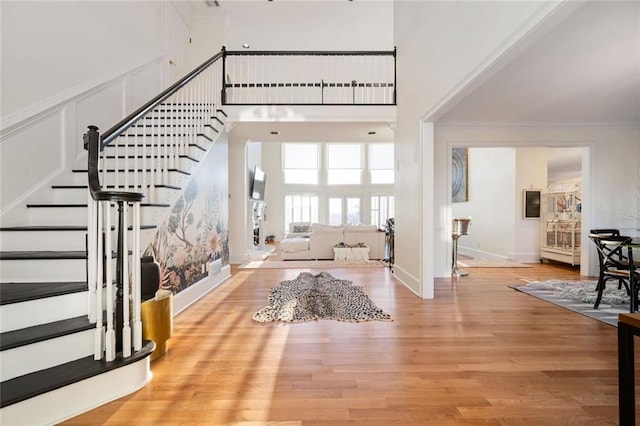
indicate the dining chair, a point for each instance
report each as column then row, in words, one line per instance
column 613, row 263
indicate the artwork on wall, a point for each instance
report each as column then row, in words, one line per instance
column 531, row 207
column 196, row 231
column 459, row 187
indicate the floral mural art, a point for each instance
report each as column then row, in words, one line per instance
column 196, row 231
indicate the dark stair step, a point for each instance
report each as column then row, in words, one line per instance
column 149, row 156
column 85, row 187
column 43, row 255
column 132, row 170
column 42, row 332
column 58, row 205
column 39, row 382
column 38, row 228
column 23, row 292
column 164, row 135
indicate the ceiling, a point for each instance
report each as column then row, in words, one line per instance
column 584, row 70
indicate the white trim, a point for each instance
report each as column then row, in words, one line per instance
column 409, row 281
column 15, row 121
column 61, row 404
column 195, row 292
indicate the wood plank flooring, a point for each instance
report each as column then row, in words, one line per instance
column 479, row 353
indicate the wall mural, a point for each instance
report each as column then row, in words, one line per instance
column 197, row 230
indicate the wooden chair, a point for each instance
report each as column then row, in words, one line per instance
column 614, row 265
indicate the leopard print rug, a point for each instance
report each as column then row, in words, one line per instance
column 311, row 297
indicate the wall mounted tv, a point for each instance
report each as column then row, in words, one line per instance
column 258, row 184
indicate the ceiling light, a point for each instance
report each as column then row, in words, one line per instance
column 372, row 132
column 246, row 45
column 275, row 132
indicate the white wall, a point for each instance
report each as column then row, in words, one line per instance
column 207, row 38
column 303, row 25
column 66, row 65
column 531, row 173
column 441, row 46
column 491, row 203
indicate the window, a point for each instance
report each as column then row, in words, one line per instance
column 353, row 211
column 300, row 163
column 344, row 207
column 300, row 208
column 335, row 211
column 382, row 208
column 344, row 164
column 381, row 163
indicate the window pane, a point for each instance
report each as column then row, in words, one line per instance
column 300, row 155
column 382, row 176
column 381, row 156
column 300, row 208
column 344, row 177
column 335, row 211
column 353, row 211
column 344, row 156
column 305, row 177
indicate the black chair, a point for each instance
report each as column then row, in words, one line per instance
column 614, row 265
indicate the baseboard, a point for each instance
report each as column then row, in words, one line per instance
column 407, row 279
column 193, row 293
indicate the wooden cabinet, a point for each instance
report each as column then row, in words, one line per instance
column 561, row 225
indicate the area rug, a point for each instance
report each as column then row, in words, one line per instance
column 307, row 264
column 311, row 297
column 579, row 296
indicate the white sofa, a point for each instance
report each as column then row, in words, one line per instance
column 316, row 241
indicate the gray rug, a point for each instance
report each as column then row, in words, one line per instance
column 311, row 297
column 579, row 296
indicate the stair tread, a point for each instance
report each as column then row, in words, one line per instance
column 38, row 333
column 38, row 228
column 131, row 170
column 39, row 382
column 85, row 187
column 44, row 228
column 43, row 255
column 22, row 292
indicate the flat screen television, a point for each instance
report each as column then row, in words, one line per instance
column 258, row 182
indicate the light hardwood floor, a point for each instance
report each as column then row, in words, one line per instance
column 479, row 353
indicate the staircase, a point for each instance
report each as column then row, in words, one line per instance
column 48, row 368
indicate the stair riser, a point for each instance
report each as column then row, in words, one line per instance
column 53, row 240
column 130, row 151
column 189, row 132
column 43, row 270
column 42, row 240
column 42, row 311
column 57, row 216
column 80, row 195
column 30, row 358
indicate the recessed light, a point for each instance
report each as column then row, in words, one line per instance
column 372, row 132
column 246, row 45
column 274, row 132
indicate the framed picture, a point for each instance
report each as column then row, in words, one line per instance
column 531, row 203
column 459, row 172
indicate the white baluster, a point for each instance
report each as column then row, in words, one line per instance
column 137, row 324
column 91, row 263
column 110, row 337
column 126, row 328
column 99, row 332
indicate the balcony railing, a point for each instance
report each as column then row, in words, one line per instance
column 309, row 78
